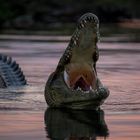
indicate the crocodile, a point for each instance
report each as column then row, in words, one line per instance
column 75, row 84
column 11, row 74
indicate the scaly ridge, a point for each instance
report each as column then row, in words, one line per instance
column 10, row 73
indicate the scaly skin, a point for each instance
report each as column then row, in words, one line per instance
column 10, row 73
column 78, row 62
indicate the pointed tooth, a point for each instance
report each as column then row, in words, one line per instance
column 82, row 25
column 90, row 88
column 66, row 78
column 75, row 42
column 91, row 18
column 96, row 90
column 85, row 21
column 75, row 35
column 80, row 89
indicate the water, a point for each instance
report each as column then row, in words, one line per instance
column 118, row 68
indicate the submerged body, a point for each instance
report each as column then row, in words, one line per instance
column 75, row 83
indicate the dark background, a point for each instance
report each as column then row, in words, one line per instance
column 62, row 14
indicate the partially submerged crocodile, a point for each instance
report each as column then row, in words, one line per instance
column 75, row 83
column 10, row 73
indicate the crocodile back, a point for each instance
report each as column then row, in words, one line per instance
column 10, row 73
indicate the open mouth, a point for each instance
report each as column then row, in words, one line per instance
column 78, row 74
column 83, row 80
column 81, row 84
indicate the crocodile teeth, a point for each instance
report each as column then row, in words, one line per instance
column 88, row 18
column 86, row 91
column 82, row 25
column 79, row 89
column 75, row 42
column 76, row 38
column 90, row 88
column 84, row 21
column 68, row 56
column 91, row 18
column 66, row 77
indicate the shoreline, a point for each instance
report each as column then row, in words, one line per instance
column 57, row 38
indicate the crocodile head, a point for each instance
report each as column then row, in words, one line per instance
column 80, row 72
column 75, row 83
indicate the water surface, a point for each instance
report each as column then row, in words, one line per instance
column 22, row 110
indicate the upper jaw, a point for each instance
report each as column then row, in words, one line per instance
column 85, row 36
column 88, row 18
column 88, row 22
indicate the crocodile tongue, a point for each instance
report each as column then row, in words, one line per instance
column 81, row 84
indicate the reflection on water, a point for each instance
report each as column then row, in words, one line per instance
column 118, row 68
column 75, row 124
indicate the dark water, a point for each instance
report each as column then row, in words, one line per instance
column 118, row 69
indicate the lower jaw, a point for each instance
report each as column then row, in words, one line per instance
column 91, row 101
column 83, row 105
column 82, row 92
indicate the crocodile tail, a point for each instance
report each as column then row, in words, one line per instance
column 10, row 73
